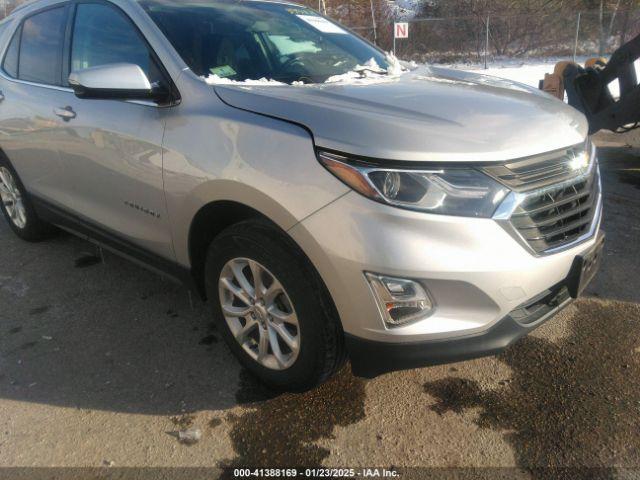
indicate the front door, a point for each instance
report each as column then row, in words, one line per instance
column 113, row 148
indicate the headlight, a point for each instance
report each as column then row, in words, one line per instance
column 451, row 191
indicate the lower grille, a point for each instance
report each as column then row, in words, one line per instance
column 545, row 303
column 558, row 215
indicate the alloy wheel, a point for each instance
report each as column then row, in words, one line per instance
column 12, row 199
column 259, row 313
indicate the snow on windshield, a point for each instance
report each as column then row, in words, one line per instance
column 371, row 72
column 213, row 79
column 366, row 74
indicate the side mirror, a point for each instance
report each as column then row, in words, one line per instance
column 123, row 81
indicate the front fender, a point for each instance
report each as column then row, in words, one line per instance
column 214, row 152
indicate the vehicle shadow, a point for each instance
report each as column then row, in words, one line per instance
column 77, row 332
column 80, row 332
column 620, row 171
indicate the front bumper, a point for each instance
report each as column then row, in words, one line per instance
column 477, row 274
column 370, row 359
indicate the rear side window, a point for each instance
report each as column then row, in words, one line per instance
column 102, row 35
column 10, row 64
column 41, row 47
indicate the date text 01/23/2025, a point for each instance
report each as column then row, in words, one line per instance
column 315, row 473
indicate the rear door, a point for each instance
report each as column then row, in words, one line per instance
column 31, row 86
column 113, row 148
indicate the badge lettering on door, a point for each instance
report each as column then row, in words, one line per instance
column 142, row 209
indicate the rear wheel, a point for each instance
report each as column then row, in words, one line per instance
column 17, row 208
column 272, row 308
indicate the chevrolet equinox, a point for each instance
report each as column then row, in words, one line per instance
column 328, row 200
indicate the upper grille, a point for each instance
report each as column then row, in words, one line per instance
column 561, row 200
column 542, row 170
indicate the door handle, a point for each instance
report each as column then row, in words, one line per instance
column 65, row 113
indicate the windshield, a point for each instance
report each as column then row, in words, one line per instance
column 249, row 40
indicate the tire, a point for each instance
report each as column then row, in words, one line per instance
column 320, row 339
column 17, row 207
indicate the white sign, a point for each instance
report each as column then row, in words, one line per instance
column 401, row 30
column 322, row 24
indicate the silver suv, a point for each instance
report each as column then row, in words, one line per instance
column 328, row 200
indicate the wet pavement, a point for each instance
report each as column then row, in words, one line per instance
column 101, row 363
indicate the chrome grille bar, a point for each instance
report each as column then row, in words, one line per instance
column 540, row 171
column 553, row 220
column 556, row 215
column 552, row 204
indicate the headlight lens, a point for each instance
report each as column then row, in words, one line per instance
column 455, row 191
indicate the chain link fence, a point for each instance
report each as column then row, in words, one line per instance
column 479, row 39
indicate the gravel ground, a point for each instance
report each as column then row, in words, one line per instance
column 101, row 363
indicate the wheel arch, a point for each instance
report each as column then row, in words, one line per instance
column 211, row 220
column 215, row 217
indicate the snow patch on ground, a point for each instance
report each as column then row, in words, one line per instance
column 528, row 72
column 406, row 9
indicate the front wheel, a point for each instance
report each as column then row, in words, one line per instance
column 272, row 308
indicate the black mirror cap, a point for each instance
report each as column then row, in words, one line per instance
column 158, row 94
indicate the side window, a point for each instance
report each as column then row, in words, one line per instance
column 102, row 35
column 10, row 64
column 41, row 47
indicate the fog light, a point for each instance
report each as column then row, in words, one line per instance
column 400, row 301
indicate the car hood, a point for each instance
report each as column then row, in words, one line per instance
column 429, row 114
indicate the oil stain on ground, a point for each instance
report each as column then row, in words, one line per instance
column 39, row 310
column 282, row 429
column 630, row 177
column 571, row 403
column 87, row 260
column 208, row 340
